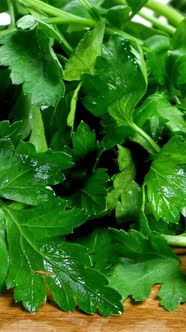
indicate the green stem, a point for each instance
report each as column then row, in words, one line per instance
column 176, row 240
column 11, row 12
column 63, row 20
column 64, row 41
column 153, row 146
column 61, row 17
column 66, row 44
column 108, row 31
column 163, row 27
column 57, row 13
column 173, row 16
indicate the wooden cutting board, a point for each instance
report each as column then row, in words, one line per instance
column 146, row 316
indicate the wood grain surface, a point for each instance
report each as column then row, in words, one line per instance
column 147, row 316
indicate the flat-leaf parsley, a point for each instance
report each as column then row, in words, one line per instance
column 92, row 153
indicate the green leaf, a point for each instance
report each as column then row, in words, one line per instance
column 173, row 292
column 143, row 263
column 12, row 131
column 83, row 141
column 50, row 219
column 74, row 282
column 177, row 71
column 160, row 226
column 157, row 56
column 177, row 59
column 96, row 3
column 128, row 207
column 30, row 22
column 166, row 181
column 24, row 261
column 57, row 135
column 65, row 267
column 141, row 31
column 97, row 242
column 20, row 111
column 124, row 197
column 133, row 263
column 33, row 63
column 92, row 194
column 70, row 162
column 113, row 132
column 136, row 5
column 119, row 79
column 83, row 61
column 73, row 106
column 57, row 159
column 118, row 15
column 26, row 22
column 157, row 115
column 37, row 135
column 60, row 159
column 4, row 259
column 74, row 7
column 25, row 179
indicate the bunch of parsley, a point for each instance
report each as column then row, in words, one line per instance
column 92, row 153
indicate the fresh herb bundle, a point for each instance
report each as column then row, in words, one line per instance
column 92, row 153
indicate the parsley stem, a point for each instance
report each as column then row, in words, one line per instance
column 64, row 41
column 58, row 13
column 61, row 17
column 156, row 22
column 62, row 20
column 152, row 147
column 173, row 16
column 11, row 12
column 176, row 240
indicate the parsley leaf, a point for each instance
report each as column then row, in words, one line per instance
column 172, row 293
column 28, row 22
column 28, row 179
column 157, row 116
column 136, row 5
column 98, row 145
column 11, row 131
column 124, row 197
column 157, row 57
column 65, row 267
column 133, row 263
column 177, row 59
column 83, row 61
column 166, row 181
column 84, row 141
column 32, row 62
column 144, row 262
column 118, row 76
column 4, row 257
column 92, row 194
